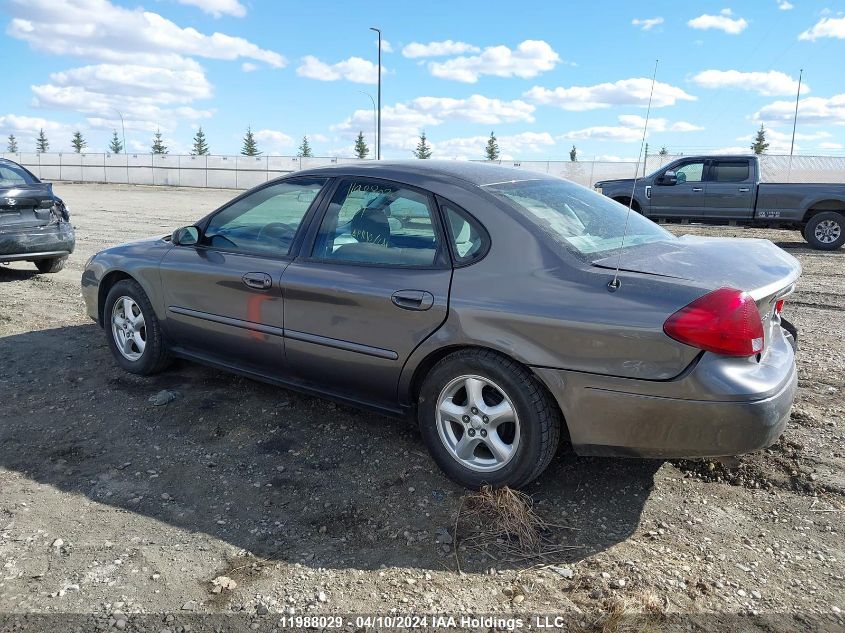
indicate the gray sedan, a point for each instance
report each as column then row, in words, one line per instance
column 480, row 299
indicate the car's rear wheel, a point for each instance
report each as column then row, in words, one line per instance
column 825, row 231
column 487, row 420
column 51, row 265
column 133, row 330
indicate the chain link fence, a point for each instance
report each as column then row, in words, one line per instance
column 243, row 172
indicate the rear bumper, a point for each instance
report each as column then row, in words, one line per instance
column 719, row 407
column 52, row 240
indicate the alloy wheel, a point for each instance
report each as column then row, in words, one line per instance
column 477, row 423
column 828, row 231
column 129, row 328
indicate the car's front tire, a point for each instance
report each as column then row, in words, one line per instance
column 825, row 231
column 486, row 420
column 133, row 330
column 51, row 265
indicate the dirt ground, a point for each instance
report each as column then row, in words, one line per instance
column 124, row 512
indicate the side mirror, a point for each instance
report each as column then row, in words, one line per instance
column 186, row 236
column 668, row 178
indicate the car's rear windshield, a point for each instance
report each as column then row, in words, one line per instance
column 11, row 175
column 587, row 223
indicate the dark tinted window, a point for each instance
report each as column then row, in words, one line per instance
column 467, row 237
column 11, row 175
column 265, row 221
column 377, row 223
column 729, row 171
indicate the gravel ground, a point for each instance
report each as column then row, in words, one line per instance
column 125, row 512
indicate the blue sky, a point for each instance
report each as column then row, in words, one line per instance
column 543, row 75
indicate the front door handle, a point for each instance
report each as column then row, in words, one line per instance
column 697, row 189
column 744, row 189
column 258, row 281
column 412, row 299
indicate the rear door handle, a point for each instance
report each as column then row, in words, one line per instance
column 698, row 189
column 412, row 299
column 744, row 189
column 259, row 281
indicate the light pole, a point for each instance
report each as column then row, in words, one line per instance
column 123, row 132
column 375, row 139
column 378, row 125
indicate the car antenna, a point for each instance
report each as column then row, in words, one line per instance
column 614, row 283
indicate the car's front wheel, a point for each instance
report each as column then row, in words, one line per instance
column 487, row 420
column 134, row 333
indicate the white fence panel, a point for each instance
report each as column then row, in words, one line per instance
column 140, row 169
column 94, row 168
column 193, row 171
column 166, row 170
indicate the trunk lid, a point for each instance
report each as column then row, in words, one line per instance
column 24, row 206
column 757, row 266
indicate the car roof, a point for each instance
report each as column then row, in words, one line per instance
column 476, row 173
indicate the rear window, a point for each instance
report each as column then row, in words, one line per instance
column 585, row 222
column 11, row 175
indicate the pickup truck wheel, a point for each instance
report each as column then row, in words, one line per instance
column 52, row 265
column 825, row 231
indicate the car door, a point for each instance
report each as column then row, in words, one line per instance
column 686, row 198
column 371, row 286
column 729, row 189
column 223, row 296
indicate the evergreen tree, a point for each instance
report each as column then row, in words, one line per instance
column 200, row 146
column 423, row 148
column 41, row 143
column 250, row 147
column 759, row 146
column 361, row 149
column 158, row 145
column 115, row 146
column 663, row 151
column 492, row 149
column 78, row 142
column 13, row 144
column 573, row 154
column 305, row 148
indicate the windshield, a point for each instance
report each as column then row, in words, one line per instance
column 587, row 223
column 11, row 175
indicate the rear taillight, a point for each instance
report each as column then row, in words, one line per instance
column 725, row 321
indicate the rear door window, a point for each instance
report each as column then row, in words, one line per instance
column 729, row 171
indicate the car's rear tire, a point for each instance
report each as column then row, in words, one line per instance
column 51, row 265
column 486, row 420
column 825, row 231
column 133, row 330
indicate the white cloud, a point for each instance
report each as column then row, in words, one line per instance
column 646, row 24
column 722, row 22
column 785, row 5
column 812, row 110
column 354, row 69
column 630, row 129
column 248, row 67
column 528, row 59
column 147, row 96
column 625, row 92
column 386, row 47
column 438, row 49
column 100, row 30
column 826, row 27
column 829, row 145
column 402, row 122
column 274, row 141
column 771, row 83
column 218, row 8
column 510, row 146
